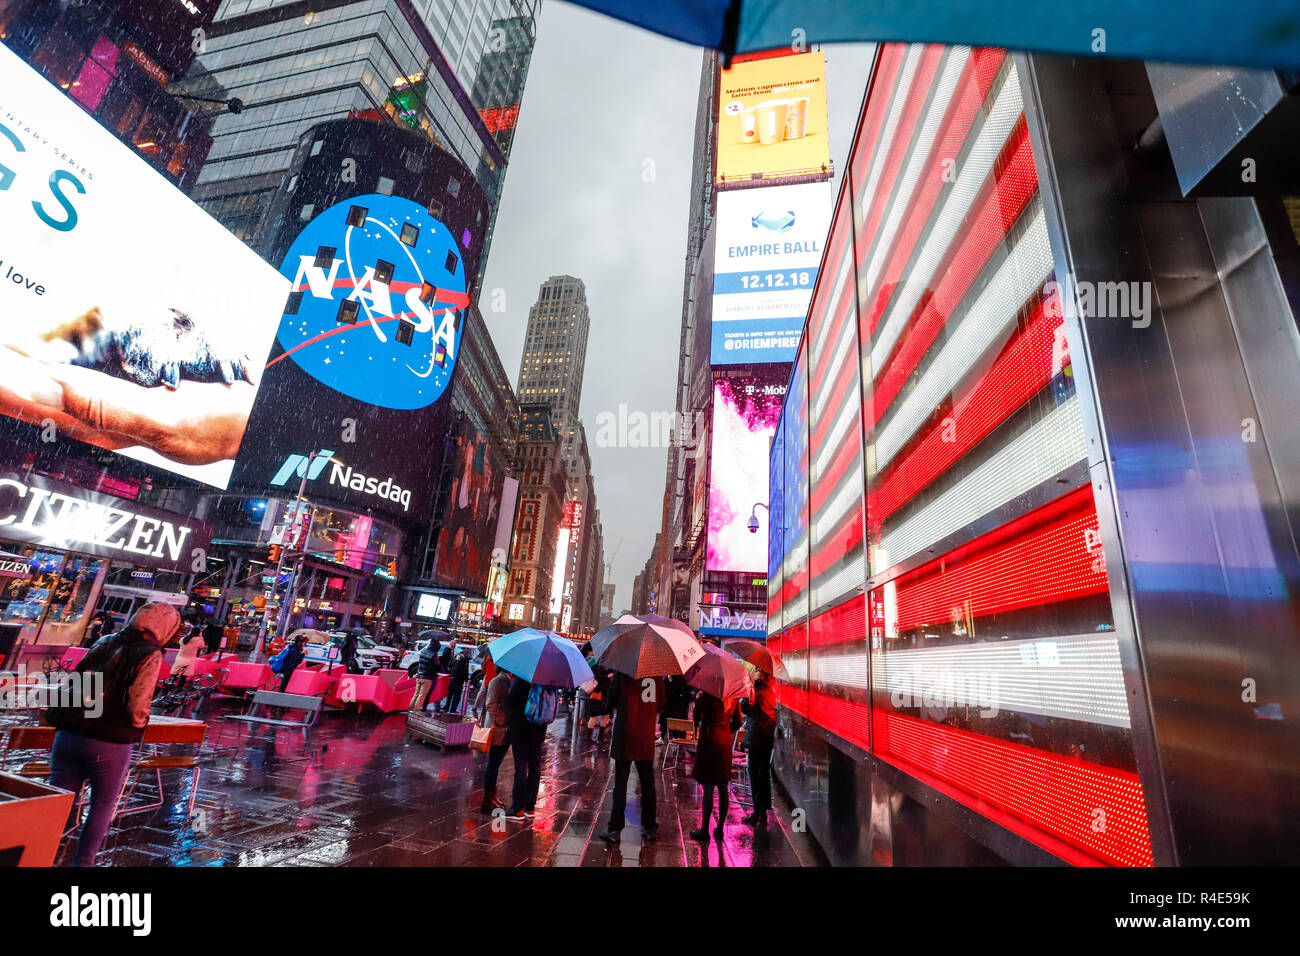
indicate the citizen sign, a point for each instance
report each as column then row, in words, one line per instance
column 39, row 512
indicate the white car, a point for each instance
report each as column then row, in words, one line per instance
column 411, row 659
column 370, row 655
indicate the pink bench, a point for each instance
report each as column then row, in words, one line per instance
column 244, row 676
column 386, row 689
column 314, row 681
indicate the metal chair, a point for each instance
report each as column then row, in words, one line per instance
column 675, row 744
column 158, row 763
column 29, row 738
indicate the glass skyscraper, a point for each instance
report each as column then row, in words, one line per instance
column 412, row 62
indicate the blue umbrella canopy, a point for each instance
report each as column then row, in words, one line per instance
column 542, row 657
column 1261, row 33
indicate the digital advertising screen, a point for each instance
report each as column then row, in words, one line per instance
column 129, row 318
column 746, row 409
column 769, row 249
column 464, row 555
column 772, row 119
column 363, row 360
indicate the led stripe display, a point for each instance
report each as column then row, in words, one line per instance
column 1074, row 676
column 1028, row 363
column 900, row 143
column 899, row 99
column 1047, row 447
column 1015, row 182
column 843, row 717
column 972, row 90
column 1058, row 795
column 881, row 95
column 1021, row 564
column 1019, row 276
column 955, row 68
column 1008, row 108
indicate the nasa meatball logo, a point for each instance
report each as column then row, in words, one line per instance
column 375, row 311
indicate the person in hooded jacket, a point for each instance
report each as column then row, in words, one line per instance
column 94, row 740
column 292, row 658
column 426, row 675
column 762, row 738
column 459, row 674
column 636, row 703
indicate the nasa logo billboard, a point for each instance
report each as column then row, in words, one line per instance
column 363, row 359
column 378, row 285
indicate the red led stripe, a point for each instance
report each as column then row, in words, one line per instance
column 844, row 622
column 844, row 718
column 1039, row 558
column 1057, row 795
column 1026, row 365
column 845, row 380
column 824, row 293
column 831, row 548
column 1012, row 183
column 887, row 74
column 901, row 145
column 825, row 487
column 969, row 96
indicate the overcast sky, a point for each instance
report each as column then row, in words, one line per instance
column 597, row 188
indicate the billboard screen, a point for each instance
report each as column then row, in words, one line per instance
column 772, row 119
column 464, row 555
column 364, row 358
column 769, row 249
column 129, row 318
column 746, row 408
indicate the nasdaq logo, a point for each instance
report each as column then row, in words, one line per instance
column 297, row 466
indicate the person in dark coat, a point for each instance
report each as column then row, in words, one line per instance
column 348, row 653
column 213, row 632
column 526, row 740
column 444, row 660
column 716, row 722
column 761, row 737
column 292, row 658
column 426, row 673
column 459, row 674
column 678, row 703
column 637, row 703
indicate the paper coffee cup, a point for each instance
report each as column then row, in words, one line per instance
column 796, row 120
column 772, row 116
column 748, row 126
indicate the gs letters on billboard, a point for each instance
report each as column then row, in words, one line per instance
column 128, row 317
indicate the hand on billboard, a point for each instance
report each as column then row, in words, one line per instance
column 196, row 423
column 30, row 394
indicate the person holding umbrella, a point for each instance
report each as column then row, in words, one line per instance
column 542, row 662
column 498, row 696
column 637, row 704
column 721, row 680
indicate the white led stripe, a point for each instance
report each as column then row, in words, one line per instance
column 1048, row 446
column 796, row 666
column 841, row 582
column 1075, row 676
column 919, row 277
column 901, row 89
column 848, row 497
column 847, row 417
column 843, row 344
column 1023, row 271
column 883, row 242
column 841, row 670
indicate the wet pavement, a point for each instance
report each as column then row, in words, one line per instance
column 356, row 791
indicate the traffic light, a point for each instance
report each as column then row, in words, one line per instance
column 274, row 556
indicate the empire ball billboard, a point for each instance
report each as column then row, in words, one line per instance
column 768, row 251
column 129, row 318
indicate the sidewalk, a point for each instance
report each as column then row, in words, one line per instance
column 356, row 792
